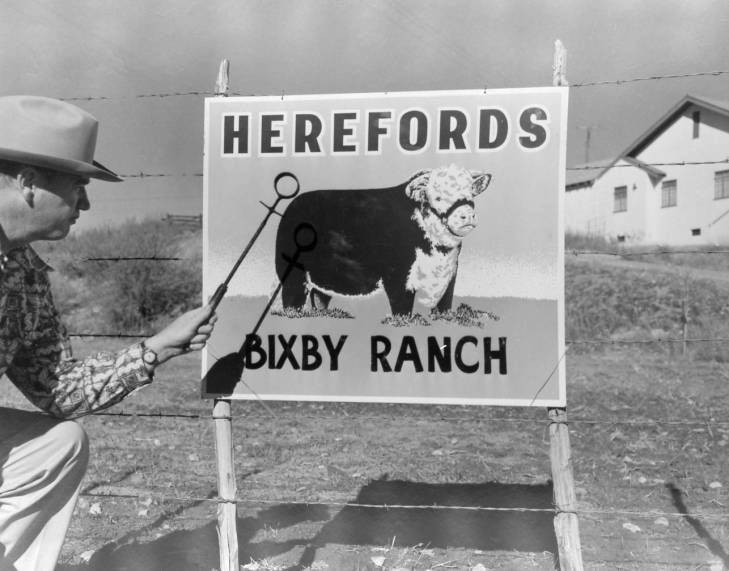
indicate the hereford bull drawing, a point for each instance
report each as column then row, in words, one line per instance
column 405, row 239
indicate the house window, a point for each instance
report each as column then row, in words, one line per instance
column 621, row 199
column 668, row 194
column 697, row 121
column 721, row 185
column 696, row 231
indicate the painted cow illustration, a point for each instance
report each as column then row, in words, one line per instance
column 405, row 239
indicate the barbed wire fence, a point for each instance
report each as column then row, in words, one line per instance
column 622, row 252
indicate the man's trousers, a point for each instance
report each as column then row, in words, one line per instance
column 42, row 463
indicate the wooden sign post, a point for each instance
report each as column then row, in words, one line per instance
column 566, row 526
column 222, row 418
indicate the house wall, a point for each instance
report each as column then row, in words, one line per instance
column 645, row 220
column 630, row 224
column 696, row 207
column 591, row 210
column 580, row 212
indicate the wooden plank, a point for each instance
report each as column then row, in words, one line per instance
column 566, row 526
column 222, row 418
column 559, row 67
column 227, row 512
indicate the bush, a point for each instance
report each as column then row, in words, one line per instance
column 126, row 296
column 591, row 243
column 625, row 304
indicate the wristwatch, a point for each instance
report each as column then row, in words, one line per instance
column 149, row 356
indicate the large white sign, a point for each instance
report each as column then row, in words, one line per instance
column 412, row 249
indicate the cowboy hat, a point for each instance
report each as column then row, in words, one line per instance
column 51, row 134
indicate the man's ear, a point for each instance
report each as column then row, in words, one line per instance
column 26, row 181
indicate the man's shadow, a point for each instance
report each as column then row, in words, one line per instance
column 513, row 529
column 196, row 549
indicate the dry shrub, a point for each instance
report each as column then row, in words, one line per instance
column 126, row 296
column 622, row 304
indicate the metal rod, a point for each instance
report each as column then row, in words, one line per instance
column 217, row 297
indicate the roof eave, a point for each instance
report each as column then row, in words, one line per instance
column 650, row 134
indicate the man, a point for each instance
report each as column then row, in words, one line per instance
column 46, row 160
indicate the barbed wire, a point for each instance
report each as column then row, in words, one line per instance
column 142, row 174
column 162, row 95
column 661, row 164
column 710, row 421
column 568, row 341
column 387, row 507
column 622, row 253
column 628, row 253
column 111, row 335
column 133, row 258
column 160, row 175
column 649, row 78
column 646, row 341
column 207, row 93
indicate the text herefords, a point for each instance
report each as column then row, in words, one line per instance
column 371, row 132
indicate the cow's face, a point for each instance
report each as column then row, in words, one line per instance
column 448, row 193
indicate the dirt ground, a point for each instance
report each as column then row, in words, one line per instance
column 650, row 443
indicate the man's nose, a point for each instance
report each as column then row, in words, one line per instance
column 83, row 200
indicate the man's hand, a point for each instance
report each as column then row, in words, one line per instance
column 189, row 332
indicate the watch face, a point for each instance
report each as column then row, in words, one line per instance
column 149, row 357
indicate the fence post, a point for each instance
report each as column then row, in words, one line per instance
column 223, row 420
column 566, row 526
column 685, row 314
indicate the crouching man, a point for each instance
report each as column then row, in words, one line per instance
column 46, row 159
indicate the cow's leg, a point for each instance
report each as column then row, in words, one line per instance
column 319, row 299
column 445, row 303
column 293, row 288
column 401, row 299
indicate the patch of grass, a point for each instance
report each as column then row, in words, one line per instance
column 701, row 256
column 704, row 257
column 584, row 242
column 466, row 316
column 301, row 312
column 404, row 320
column 625, row 304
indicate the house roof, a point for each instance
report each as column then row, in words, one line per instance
column 584, row 175
column 655, row 130
column 581, row 176
column 650, row 169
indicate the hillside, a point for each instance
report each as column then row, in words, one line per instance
column 612, row 294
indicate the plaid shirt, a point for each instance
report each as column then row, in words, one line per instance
column 35, row 352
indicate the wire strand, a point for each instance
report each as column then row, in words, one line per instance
column 387, row 507
column 206, row 93
column 142, row 174
column 369, row 417
column 649, row 78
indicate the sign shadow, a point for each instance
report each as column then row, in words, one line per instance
column 507, row 527
column 513, row 529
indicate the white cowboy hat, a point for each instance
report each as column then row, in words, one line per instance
column 50, row 133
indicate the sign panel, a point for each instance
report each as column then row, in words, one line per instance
column 412, row 249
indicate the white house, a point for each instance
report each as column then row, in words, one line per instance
column 671, row 186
